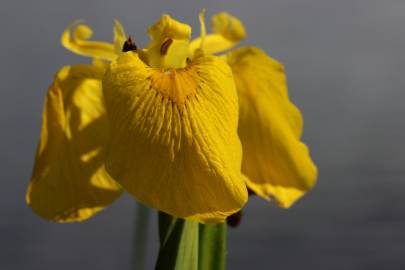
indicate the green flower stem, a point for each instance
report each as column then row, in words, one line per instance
column 212, row 246
column 140, row 237
column 188, row 245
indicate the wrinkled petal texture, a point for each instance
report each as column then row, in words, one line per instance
column 174, row 143
column 276, row 162
column 69, row 182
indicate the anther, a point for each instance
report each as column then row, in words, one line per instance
column 129, row 45
column 165, row 46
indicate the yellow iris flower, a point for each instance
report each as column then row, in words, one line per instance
column 167, row 124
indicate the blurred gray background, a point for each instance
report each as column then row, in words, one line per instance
column 345, row 64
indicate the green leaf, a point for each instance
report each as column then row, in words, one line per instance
column 188, row 245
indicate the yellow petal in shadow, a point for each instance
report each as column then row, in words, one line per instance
column 174, row 143
column 276, row 162
column 69, row 182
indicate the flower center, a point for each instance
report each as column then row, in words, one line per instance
column 178, row 84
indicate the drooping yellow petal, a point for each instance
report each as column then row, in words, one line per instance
column 174, row 143
column 76, row 39
column 275, row 160
column 69, row 182
column 169, row 43
column 227, row 32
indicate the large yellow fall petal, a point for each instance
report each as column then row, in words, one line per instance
column 174, row 143
column 270, row 126
column 69, row 182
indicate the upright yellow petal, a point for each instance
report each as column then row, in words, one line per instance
column 69, row 182
column 227, row 32
column 174, row 143
column 76, row 39
column 119, row 37
column 270, row 126
column 169, row 43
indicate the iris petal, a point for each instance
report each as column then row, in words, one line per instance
column 174, row 143
column 169, row 43
column 69, row 182
column 119, row 37
column 76, row 39
column 227, row 30
column 276, row 162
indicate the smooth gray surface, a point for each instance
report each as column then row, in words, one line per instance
column 345, row 63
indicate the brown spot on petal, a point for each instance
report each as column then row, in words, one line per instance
column 165, row 46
